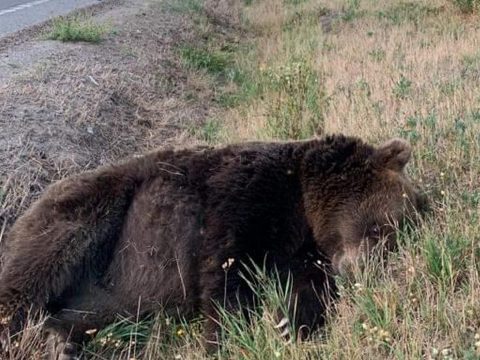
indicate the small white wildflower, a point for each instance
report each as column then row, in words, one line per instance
column 446, row 351
column 358, row 286
column 227, row 264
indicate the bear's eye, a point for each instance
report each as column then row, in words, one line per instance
column 374, row 231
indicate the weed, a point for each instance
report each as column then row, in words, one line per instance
column 402, row 88
column 76, row 29
column 351, row 11
column 471, row 199
column 407, row 11
column 445, row 258
column 304, row 18
column 377, row 307
column 119, row 336
column 185, row 6
column 256, row 337
column 213, row 61
column 296, row 109
column 210, row 132
column 377, row 54
column 246, row 86
column 294, row 2
column 448, row 88
column 471, row 66
column 467, row 6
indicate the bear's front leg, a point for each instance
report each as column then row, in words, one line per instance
column 313, row 292
column 223, row 290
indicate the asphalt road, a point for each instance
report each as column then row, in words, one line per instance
column 18, row 14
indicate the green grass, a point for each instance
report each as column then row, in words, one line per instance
column 402, row 87
column 210, row 132
column 384, row 72
column 119, row 335
column 352, row 10
column 389, row 68
column 296, row 107
column 185, row 6
column 467, row 6
column 407, row 12
column 76, row 30
column 213, row 61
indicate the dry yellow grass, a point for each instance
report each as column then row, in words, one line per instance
column 373, row 69
column 391, row 68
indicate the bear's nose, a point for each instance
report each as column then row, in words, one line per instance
column 349, row 262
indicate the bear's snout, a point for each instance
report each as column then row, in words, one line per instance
column 349, row 261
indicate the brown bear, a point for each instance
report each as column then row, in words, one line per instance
column 158, row 231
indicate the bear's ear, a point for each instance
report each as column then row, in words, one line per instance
column 393, row 154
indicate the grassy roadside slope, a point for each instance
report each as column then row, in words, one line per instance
column 282, row 69
column 374, row 69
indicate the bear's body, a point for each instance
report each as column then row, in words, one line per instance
column 164, row 230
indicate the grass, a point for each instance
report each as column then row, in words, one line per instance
column 467, row 6
column 295, row 110
column 407, row 12
column 77, row 29
column 210, row 132
column 388, row 68
column 214, row 62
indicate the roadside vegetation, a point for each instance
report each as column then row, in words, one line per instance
column 76, row 29
column 293, row 69
column 286, row 69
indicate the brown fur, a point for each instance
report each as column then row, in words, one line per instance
column 155, row 231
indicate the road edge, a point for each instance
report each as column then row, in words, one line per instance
column 32, row 32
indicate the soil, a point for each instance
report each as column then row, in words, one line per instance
column 69, row 107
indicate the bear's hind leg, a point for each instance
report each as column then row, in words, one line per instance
column 59, row 347
column 80, row 318
column 67, row 236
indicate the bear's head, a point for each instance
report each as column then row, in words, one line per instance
column 356, row 196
